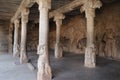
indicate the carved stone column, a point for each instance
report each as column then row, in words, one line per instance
column 16, row 46
column 89, row 8
column 10, row 40
column 58, row 47
column 44, row 69
column 24, row 21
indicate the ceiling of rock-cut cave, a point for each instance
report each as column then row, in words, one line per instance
column 9, row 7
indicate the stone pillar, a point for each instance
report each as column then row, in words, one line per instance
column 44, row 69
column 90, row 48
column 10, row 38
column 24, row 21
column 89, row 8
column 16, row 46
column 58, row 47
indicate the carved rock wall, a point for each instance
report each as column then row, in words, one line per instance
column 72, row 31
column 32, row 37
column 3, row 36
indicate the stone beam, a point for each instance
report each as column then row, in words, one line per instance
column 24, row 3
column 67, row 8
column 64, row 9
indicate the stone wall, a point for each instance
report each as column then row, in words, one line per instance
column 3, row 36
column 32, row 37
column 72, row 31
column 107, row 30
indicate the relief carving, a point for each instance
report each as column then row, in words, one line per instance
column 42, row 49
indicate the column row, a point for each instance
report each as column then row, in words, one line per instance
column 44, row 69
column 21, row 50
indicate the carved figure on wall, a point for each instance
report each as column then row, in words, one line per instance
column 109, row 38
column 81, row 44
column 101, row 49
column 65, row 41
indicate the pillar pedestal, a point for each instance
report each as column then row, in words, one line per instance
column 90, row 57
column 44, row 69
column 58, row 51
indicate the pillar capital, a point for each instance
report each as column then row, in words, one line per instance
column 44, row 4
column 90, row 6
column 58, row 18
column 16, row 22
column 24, row 14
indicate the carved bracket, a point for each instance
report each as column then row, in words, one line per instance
column 90, row 6
column 58, row 16
column 25, row 13
column 44, row 4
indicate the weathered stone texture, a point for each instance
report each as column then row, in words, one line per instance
column 3, row 36
column 71, row 33
column 32, row 37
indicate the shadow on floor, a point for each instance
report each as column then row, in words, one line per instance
column 71, row 67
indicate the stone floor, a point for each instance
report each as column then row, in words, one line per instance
column 11, row 71
column 70, row 67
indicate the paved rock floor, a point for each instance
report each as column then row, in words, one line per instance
column 11, row 71
column 70, row 67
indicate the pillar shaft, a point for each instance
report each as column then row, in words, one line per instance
column 90, row 27
column 16, row 46
column 90, row 49
column 58, row 47
column 44, row 69
column 24, row 21
column 43, row 26
column 58, row 26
